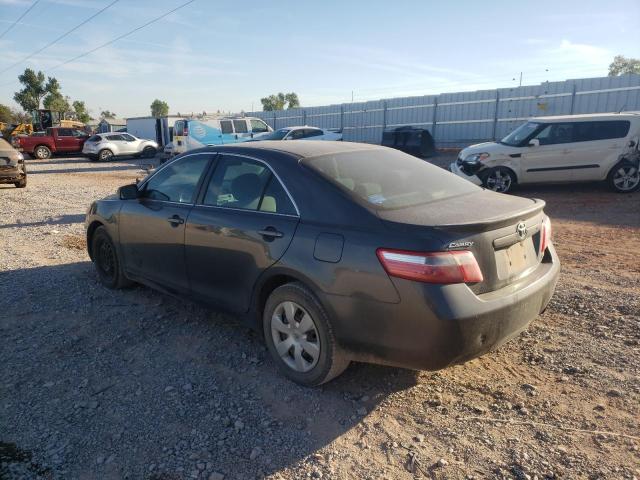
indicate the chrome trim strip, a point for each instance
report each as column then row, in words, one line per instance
column 244, row 210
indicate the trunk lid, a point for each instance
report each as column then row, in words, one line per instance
column 502, row 231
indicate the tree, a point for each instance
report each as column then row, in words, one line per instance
column 56, row 102
column 34, row 90
column 622, row 65
column 6, row 115
column 81, row 112
column 292, row 100
column 107, row 114
column 159, row 108
column 279, row 101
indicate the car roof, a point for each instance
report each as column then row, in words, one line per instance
column 306, row 149
column 587, row 117
column 298, row 127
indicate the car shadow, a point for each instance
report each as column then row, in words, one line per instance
column 146, row 379
column 66, row 219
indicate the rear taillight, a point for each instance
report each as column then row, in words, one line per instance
column 545, row 235
column 431, row 267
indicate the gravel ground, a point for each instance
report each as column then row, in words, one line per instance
column 135, row 384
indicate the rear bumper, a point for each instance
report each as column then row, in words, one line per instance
column 436, row 326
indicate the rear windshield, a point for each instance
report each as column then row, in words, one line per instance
column 389, row 179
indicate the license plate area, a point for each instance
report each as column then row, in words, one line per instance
column 516, row 259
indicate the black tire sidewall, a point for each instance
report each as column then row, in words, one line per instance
column 299, row 294
column 148, row 152
column 100, row 236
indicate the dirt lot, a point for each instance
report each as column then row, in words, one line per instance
column 134, row 384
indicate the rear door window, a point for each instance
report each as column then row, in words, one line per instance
column 226, row 126
column 240, row 126
column 601, row 130
column 313, row 132
column 248, row 185
column 65, row 132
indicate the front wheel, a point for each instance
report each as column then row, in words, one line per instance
column 149, row 152
column 22, row 183
column 499, row 179
column 300, row 338
column 624, row 177
column 106, row 260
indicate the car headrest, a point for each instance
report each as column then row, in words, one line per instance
column 246, row 187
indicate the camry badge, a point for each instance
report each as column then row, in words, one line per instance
column 460, row 245
column 521, row 230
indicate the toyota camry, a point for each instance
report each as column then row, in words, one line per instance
column 334, row 251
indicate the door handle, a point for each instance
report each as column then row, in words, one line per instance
column 175, row 220
column 271, row 232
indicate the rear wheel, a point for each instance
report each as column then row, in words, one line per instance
column 42, row 152
column 300, row 338
column 499, row 179
column 106, row 261
column 624, row 177
column 149, row 152
column 105, row 155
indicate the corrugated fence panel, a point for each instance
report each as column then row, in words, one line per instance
column 467, row 117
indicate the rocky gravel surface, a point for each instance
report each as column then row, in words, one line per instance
column 135, row 384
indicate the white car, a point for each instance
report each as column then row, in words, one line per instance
column 570, row 148
column 302, row 133
column 105, row 146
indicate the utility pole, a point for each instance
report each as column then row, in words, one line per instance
column 520, row 79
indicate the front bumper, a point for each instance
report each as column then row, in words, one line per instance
column 454, row 167
column 435, row 326
column 10, row 174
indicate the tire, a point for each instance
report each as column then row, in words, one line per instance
column 304, row 365
column 624, row 177
column 106, row 261
column 21, row 183
column 148, row 152
column 42, row 152
column 105, row 155
column 499, row 179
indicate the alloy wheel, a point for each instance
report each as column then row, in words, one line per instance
column 42, row 153
column 498, row 181
column 626, row 178
column 105, row 155
column 295, row 336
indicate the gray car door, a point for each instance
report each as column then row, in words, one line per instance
column 152, row 227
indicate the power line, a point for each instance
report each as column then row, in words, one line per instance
column 120, row 37
column 19, row 18
column 67, row 33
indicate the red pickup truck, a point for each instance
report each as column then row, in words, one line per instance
column 54, row 140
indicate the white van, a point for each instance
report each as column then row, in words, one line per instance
column 570, row 148
column 189, row 134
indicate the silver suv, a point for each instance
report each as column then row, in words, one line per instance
column 105, row 146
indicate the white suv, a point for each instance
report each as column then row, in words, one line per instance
column 571, row 148
column 105, row 146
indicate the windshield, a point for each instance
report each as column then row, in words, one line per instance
column 277, row 135
column 520, row 134
column 389, row 179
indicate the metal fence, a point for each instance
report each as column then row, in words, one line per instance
column 460, row 119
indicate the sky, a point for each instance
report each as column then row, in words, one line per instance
column 220, row 55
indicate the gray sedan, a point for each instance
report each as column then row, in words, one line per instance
column 105, row 146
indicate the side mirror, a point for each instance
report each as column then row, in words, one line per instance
column 128, row 192
column 534, row 142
